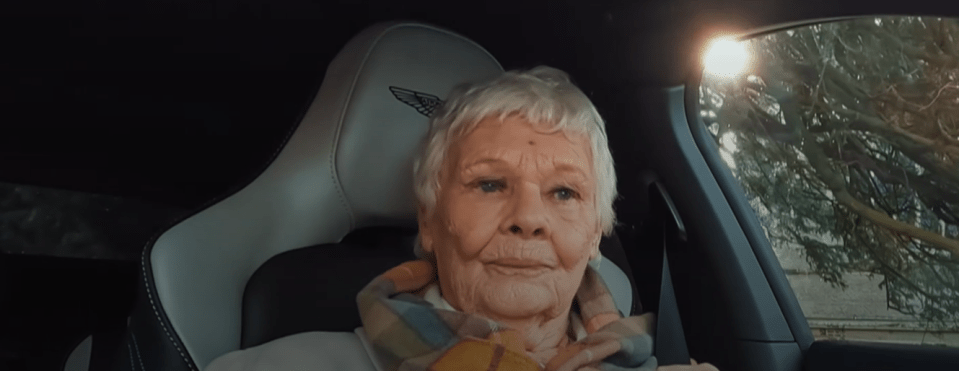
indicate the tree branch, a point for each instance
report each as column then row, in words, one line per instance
column 835, row 182
column 837, row 186
column 915, row 147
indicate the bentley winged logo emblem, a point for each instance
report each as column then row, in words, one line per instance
column 422, row 102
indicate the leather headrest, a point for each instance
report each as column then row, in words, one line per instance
column 385, row 120
column 347, row 165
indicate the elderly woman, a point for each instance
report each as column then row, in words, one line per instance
column 515, row 186
column 515, row 189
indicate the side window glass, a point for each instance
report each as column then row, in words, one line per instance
column 845, row 138
column 51, row 222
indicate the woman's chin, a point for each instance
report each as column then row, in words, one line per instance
column 518, row 299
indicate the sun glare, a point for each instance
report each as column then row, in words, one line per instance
column 727, row 148
column 725, row 58
column 728, row 141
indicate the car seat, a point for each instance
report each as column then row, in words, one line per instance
column 288, row 252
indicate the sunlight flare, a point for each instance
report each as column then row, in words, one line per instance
column 725, row 58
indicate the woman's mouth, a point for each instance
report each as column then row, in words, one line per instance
column 518, row 267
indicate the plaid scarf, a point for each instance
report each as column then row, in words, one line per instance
column 408, row 333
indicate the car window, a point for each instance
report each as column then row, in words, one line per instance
column 845, row 138
column 53, row 222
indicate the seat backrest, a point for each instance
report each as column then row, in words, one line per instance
column 347, row 165
column 314, row 288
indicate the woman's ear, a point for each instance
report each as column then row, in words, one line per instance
column 426, row 232
column 595, row 253
column 596, row 240
column 595, row 257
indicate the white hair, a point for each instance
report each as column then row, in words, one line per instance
column 544, row 96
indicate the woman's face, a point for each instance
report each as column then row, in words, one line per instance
column 515, row 222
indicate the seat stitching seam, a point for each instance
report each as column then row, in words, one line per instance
column 341, row 116
column 156, row 312
column 133, row 365
column 137, row 347
column 336, row 139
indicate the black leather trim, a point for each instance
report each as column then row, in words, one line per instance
column 150, row 333
column 150, row 344
column 106, row 345
column 314, row 288
column 827, row 355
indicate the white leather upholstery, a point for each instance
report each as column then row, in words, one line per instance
column 618, row 284
column 348, row 165
column 342, row 351
column 79, row 359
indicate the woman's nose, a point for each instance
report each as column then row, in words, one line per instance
column 528, row 218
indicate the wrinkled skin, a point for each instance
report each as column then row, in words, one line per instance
column 514, row 227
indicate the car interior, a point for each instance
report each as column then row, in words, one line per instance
column 245, row 168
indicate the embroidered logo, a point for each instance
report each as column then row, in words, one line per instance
column 422, row 102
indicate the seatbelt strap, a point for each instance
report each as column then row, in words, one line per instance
column 670, row 344
column 670, row 338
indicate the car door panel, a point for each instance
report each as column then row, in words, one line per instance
column 856, row 355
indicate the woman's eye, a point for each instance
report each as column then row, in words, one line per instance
column 564, row 193
column 490, row 186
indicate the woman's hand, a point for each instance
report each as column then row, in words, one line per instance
column 693, row 366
